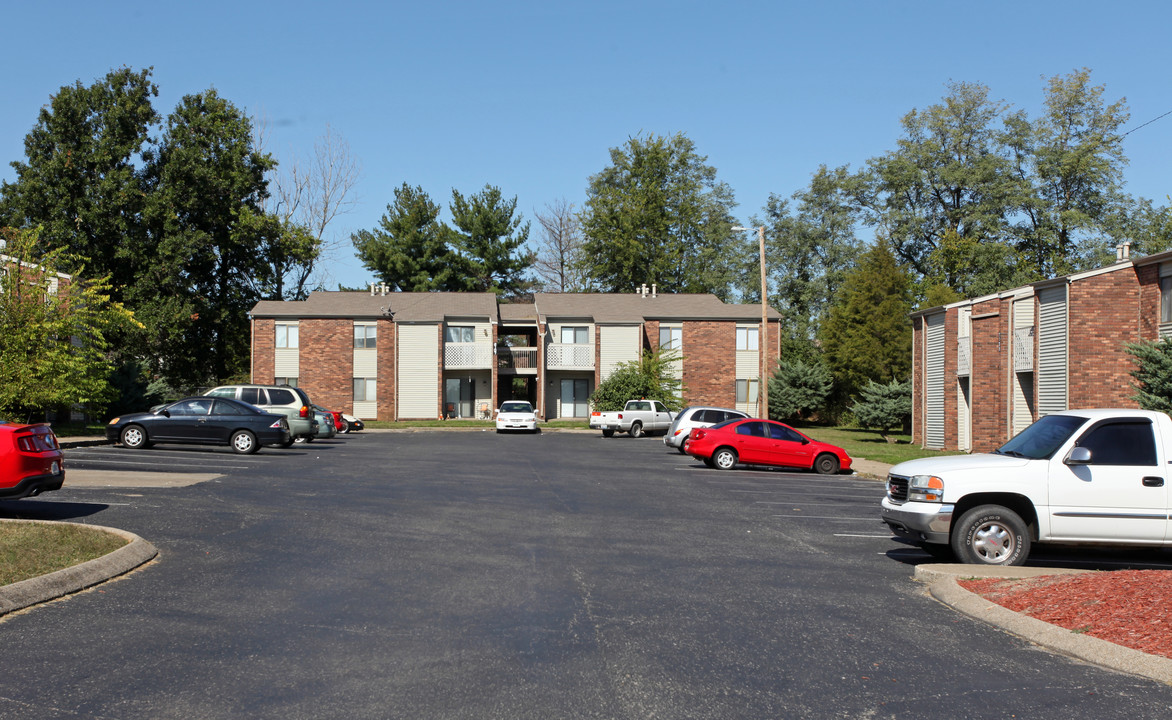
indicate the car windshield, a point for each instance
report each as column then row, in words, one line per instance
column 726, row 423
column 516, row 407
column 1042, row 439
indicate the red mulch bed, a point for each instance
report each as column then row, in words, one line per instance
column 1132, row 608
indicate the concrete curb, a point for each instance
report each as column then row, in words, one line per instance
column 944, row 587
column 34, row 591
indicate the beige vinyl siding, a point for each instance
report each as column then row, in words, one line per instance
column 417, row 380
column 365, row 362
column 1022, row 412
column 619, row 344
column 1052, row 350
column 286, row 363
column 934, row 381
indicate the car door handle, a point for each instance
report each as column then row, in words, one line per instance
column 1152, row 481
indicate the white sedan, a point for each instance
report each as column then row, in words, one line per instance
column 516, row 415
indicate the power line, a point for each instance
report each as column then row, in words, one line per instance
column 1149, row 122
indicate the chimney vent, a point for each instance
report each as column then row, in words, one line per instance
column 372, row 287
column 652, row 289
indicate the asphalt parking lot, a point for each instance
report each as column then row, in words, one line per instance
column 471, row 575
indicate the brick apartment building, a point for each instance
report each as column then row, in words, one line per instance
column 985, row 368
column 407, row 356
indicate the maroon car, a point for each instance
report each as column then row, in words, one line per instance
column 763, row 442
column 30, row 460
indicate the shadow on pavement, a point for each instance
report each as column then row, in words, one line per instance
column 48, row 510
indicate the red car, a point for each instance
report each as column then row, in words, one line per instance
column 763, row 442
column 30, row 461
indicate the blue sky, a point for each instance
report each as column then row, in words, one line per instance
column 531, row 96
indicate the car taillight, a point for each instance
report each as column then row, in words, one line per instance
column 697, row 434
column 304, row 411
column 596, row 412
column 26, row 443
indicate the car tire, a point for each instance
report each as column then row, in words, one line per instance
column 680, row 449
column 724, row 459
column 244, row 442
column 991, row 535
column 826, row 464
column 134, row 437
column 636, row 430
column 345, row 426
column 608, row 433
column 287, row 444
column 302, row 439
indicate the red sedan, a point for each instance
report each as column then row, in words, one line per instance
column 763, row 442
column 30, row 461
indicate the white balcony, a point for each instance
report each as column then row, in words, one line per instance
column 467, row 356
column 565, row 356
column 1023, row 349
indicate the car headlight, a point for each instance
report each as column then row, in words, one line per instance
column 926, row 488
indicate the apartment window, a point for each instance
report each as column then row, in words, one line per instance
column 459, row 334
column 364, row 336
column 290, row 381
column 747, row 338
column 575, row 335
column 671, row 338
column 364, row 390
column 746, row 391
column 286, row 335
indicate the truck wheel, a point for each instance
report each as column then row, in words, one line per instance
column 826, row 464
column 991, row 535
column 724, row 459
column 608, row 433
column 636, row 429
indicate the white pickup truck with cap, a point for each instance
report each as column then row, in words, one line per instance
column 636, row 418
column 1072, row 477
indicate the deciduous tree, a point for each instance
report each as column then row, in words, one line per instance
column 559, row 254
column 53, row 332
column 658, row 215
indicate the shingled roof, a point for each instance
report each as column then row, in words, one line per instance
column 406, row 307
column 619, row 308
column 635, row 307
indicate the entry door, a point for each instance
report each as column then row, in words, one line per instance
column 575, row 395
column 458, row 397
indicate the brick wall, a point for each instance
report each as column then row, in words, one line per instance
column 326, row 362
column 990, row 333
column 264, row 343
column 1148, row 278
column 710, row 368
column 1105, row 314
column 385, row 342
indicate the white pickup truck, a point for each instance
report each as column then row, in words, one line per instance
column 636, row 418
column 1073, row 477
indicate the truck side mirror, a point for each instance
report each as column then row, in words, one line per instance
column 1078, row 456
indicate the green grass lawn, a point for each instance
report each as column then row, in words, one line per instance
column 29, row 550
column 868, row 444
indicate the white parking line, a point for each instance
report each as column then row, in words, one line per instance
column 155, row 464
column 881, row 537
column 828, row 517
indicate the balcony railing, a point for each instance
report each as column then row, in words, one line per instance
column 1023, row 349
column 467, row 356
column 565, row 356
column 964, row 356
column 520, row 359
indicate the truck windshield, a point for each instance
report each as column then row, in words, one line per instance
column 1042, row 439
